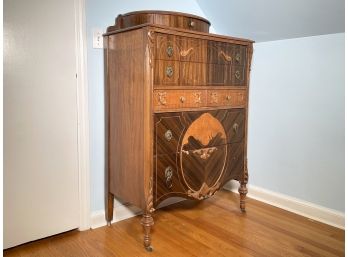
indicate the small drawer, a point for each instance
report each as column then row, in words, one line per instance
column 178, row 99
column 225, row 75
column 167, row 47
column 170, row 47
column 226, row 53
column 193, row 73
column 193, row 50
column 166, row 72
column 228, row 98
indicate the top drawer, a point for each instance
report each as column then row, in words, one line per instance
column 176, row 48
column 226, row 53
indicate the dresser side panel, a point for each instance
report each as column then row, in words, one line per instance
column 126, row 116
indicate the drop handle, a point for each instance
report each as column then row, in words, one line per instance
column 237, row 74
column 169, row 71
column 168, row 173
column 235, row 127
column 168, row 135
column 170, row 51
column 182, row 99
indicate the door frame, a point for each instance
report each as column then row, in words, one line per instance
column 82, row 115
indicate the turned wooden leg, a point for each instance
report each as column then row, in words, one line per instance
column 110, row 209
column 147, row 222
column 243, row 190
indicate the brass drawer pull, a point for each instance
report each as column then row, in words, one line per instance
column 168, row 174
column 228, row 98
column 237, row 74
column 191, row 24
column 170, row 51
column 169, row 71
column 168, row 135
column 238, row 57
column 182, row 99
column 235, row 127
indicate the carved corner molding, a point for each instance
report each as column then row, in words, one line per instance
column 204, row 192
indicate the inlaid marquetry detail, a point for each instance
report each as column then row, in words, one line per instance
column 162, row 98
column 204, row 153
column 204, row 129
column 214, row 97
column 184, row 53
column 197, row 97
column 204, row 192
column 227, row 57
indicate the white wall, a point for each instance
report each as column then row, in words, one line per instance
column 100, row 14
column 296, row 129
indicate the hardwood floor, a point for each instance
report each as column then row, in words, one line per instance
column 215, row 227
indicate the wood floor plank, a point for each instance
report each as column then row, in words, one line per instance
column 214, row 227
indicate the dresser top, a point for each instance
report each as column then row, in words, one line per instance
column 163, row 18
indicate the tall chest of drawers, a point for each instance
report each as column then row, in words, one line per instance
column 176, row 108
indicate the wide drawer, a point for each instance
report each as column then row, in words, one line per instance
column 171, row 72
column 186, row 174
column 190, row 131
column 170, row 47
column 174, row 99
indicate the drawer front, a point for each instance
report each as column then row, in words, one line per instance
column 193, row 73
column 167, row 72
column 202, row 145
column 167, row 181
column 206, row 128
column 170, row 47
column 178, row 99
column 226, row 53
column 225, row 75
column 228, row 98
column 168, row 130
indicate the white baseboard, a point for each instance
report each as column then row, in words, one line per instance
column 124, row 211
column 298, row 206
column 303, row 208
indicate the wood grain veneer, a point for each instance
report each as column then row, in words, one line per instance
column 176, row 105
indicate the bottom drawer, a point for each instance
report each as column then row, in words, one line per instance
column 194, row 173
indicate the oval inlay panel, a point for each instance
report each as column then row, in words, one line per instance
column 203, row 155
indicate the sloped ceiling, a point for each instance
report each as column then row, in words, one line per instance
column 267, row 20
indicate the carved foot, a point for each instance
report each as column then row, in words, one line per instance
column 243, row 190
column 147, row 222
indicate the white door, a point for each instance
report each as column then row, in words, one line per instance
column 40, row 120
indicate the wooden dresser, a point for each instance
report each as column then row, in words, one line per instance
column 177, row 110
